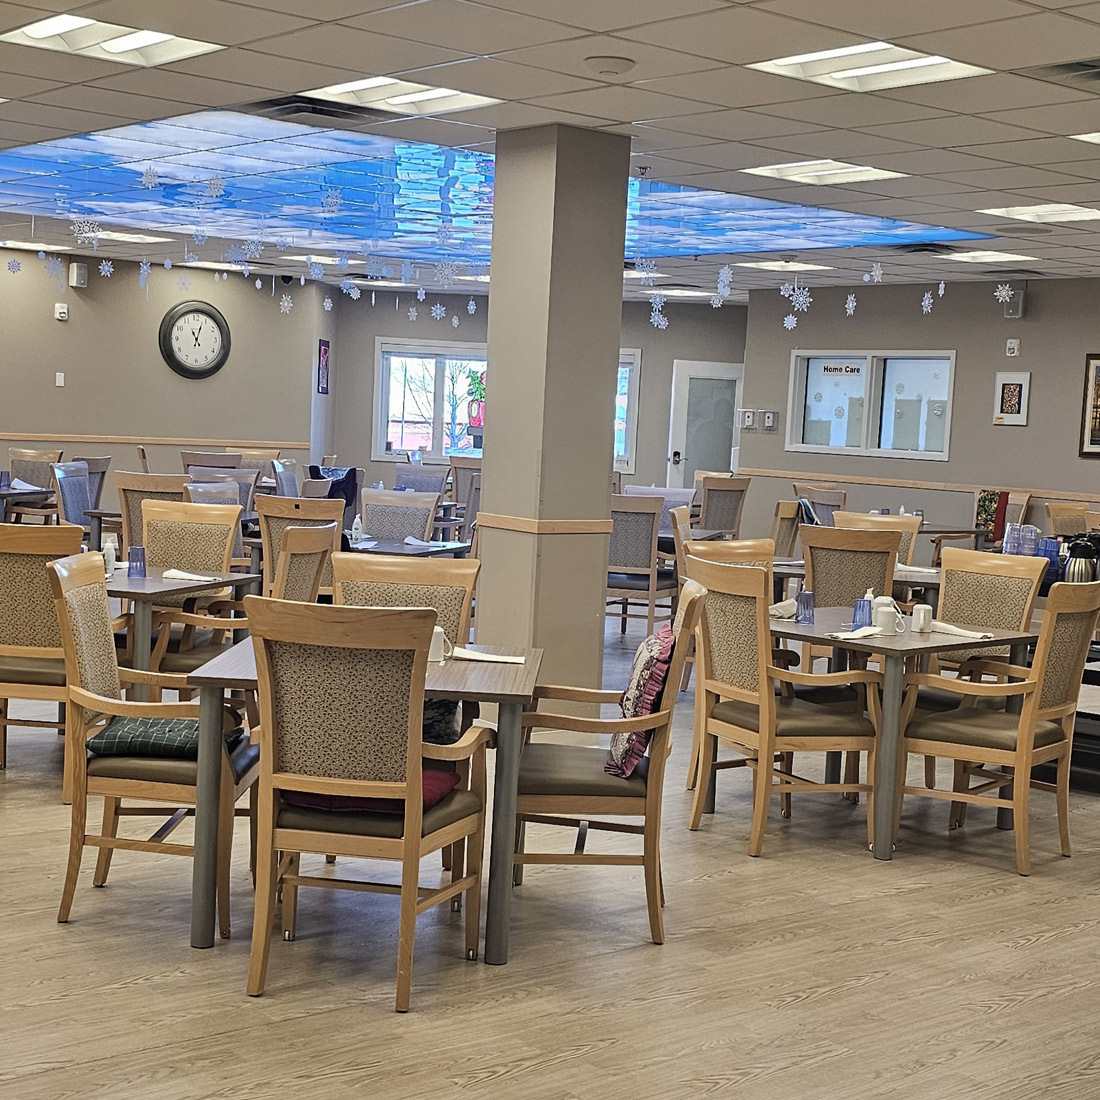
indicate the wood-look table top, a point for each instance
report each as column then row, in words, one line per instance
column 477, row 681
column 154, row 584
column 913, row 576
column 22, row 494
column 907, row 644
column 395, row 547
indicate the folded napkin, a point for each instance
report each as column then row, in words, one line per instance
column 182, row 575
column 462, row 654
column 950, row 628
column 926, row 570
column 854, row 635
column 785, row 609
column 410, row 540
column 19, row 483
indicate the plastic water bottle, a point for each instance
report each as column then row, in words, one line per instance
column 109, row 560
column 357, row 529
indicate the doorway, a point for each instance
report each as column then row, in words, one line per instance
column 703, row 426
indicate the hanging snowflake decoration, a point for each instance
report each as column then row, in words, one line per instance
column 282, row 243
column 342, row 261
column 725, row 279
column 471, row 306
column 786, row 290
column 716, row 301
column 421, row 294
column 331, row 200
column 286, row 303
column 41, row 255
column 790, row 321
column 838, row 412
column 215, row 187
column 346, row 285
column 235, row 254
column 143, row 272
column 657, row 301
column 446, row 273
column 106, row 268
column 149, row 178
column 183, row 282
column 439, row 311
column 254, row 248
column 850, row 305
column 86, row 231
column 478, row 268
column 658, row 320
column 167, row 265
column 326, row 305
column 406, row 271
column 259, row 284
column 355, row 293
column 1004, row 293
column 14, row 266
column 199, row 237
column 874, row 275
column 443, row 236
column 412, row 313
column 245, row 269
column 190, row 257
column 316, row 270
column 926, row 302
column 647, row 269
column 55, row 269
column 800, row 299
column 942, row 287
column 454, row 321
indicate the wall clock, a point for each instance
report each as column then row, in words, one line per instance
column 194, row 339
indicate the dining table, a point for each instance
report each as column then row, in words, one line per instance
column 18, row 496
column 510, row 686
column 913, row 576
column 893, row 651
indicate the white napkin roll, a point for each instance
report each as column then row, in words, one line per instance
column 182, row 575
column 855, row 635
column 411, row 540
column 950, row 628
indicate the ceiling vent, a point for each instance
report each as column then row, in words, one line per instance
column 930, row 248
column 1013, row 273
column 304, row 111
column 1076, row 74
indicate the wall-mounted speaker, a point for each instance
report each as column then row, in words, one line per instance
column 78, row 275
column 1014, row 307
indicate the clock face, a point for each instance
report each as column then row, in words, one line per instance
column 194, row 339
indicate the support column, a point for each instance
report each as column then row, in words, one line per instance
column 555, row 316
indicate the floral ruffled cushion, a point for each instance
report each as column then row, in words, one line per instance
column 642, row 696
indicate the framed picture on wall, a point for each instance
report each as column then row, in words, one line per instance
column 322, row 366
column 1010, row 397
column 1090, row 407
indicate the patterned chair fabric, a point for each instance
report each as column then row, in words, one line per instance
column 447, row 600
column 843, row 576
column 218, row 492
column 358, row 698
column 131, row 501
column 1065, row 664
column 631, row 540
column 27, row 613
column 984, row 600
column 94, row 641
column 391, row 522
column 97, row 476
column 462, row 476
column 300, row 573
column 785, row 535
column 276, row 525
column 286, row 476
column 37, row 472
column 722, row 509
column 411, row 477
column 194, row 547
column 74, row 491
column 730, row 625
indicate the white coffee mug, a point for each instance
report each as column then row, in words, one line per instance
column 922, row 618
column 440, row 649
column 886, row 619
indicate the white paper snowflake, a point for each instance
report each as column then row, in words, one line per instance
column 190, row 257
column 326, row 305
column 316, row 270
column 259, row 284
column 55, row 269
column 926, row 302
column 143, row 272
column 421, row 294
column 331, row 200
column 14, row 266
column 149, row 178
column 254, row 248
column 346, row 285
column 342, row 261
column 184, row 282
column 941, row 288
column 850, row 305
column 471, row 306
column 439, row 311
column 657, row 301
column 406, row 271
column 478, row 267
column 412, row 313
column 716, row 301
column 800, row 299
column 454, row 321
column 86, row 231
column 355, row 293
column 235, row 254
column 106, row 268
column 658, row 320
column 725, row 275
column 1004, row 293
column 443, row 236
column 647, row 269
column 199, row 237
column 286, row 303
column 446, row 273
column 215, row 187
column 838, row 412
column 282, row 243
column 245, row 269
column 167, row 265
column 786, row 290
column 876, row 273
column 790, row 321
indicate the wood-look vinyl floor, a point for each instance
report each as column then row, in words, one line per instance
column 812, row 971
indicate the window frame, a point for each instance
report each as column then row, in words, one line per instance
column 872, row 403
column 626, row 464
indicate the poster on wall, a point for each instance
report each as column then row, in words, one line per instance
column 1010, row 397
column 322, row 366
column 1090, row 407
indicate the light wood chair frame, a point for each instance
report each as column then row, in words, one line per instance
column 623, row 597
column 713, row 486
column 459, row 485
column 127, row 482
column 47, row 510
column 864, row 521
column 228, row 460
column 1070, row 510
column 786, row 512
column 1017, row 506
column 395, row 499
column 313, row 511
column 303, row 541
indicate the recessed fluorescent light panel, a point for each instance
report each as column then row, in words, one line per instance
column 28, row 246
column 107, row 41
column 1093, row 138
column 822, row 171
column 869, row 67
column 986, row 257
column 679, row 292
column 1046, row 212
column 783, row 265
column 132, row 238
column 643, row 275
column 403, row 97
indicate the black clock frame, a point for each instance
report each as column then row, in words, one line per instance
column 165, row 339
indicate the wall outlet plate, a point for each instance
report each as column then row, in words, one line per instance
column 1012, row 348
column 748, row 419
column 769, row 419
column 61, row 311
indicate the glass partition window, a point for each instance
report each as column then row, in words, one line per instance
column 626, row 408
column 881, row 404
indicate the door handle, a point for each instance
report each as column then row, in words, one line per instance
column 675, row 458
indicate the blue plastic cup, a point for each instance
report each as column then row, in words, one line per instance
column 805, row 613
column 135, row 562
column 861, row 614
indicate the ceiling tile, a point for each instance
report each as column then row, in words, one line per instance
column 733, row 86
column 205, row 20
column 14, row 16
column 1007, row 177
column 1067, row 118
column 1044, row 150
column 88, row 97
column 184, row 88
column 741, row 35
column 894, row 20
column 836, row 144
column 321, row 11
column 849, row 110
column 13, row 86
column 978, row 94
column 934, row 162
column 724, row 154
column 952, row 131
column 624, row 104
column 647, row 139
column 608, row 15
column 499, row 79
column 1040, row 39
column 59, row 118
column 463, row 25
column 431, row 131
column 287, row 74
column 512, row 116
column 1089, row 169
column 64, row 68
column 361, row 51
column 737, row 125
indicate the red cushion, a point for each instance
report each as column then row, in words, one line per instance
column 436, row 785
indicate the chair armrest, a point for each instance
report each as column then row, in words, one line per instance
column 968, row 687
column 156, row 679
column 534, row 719
column 823, row 679
column 993, row 668
column 472, row 740
column 121, row 708
column 957, row 536
column 576, row 694
column 208, row 622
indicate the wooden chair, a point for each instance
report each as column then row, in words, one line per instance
column 143, row 458
column 33, row 467
column 285, row 472
column 785, row 527
column 722, row 504
column 470, row 510
column 31, row 658
column 219, row 492
column 1000, row 748
column 349, row 726
column 316, row 488
column 1067, row 517
column 95, row 703
column 670, row 497
column 73, row 492
column 391, row 515
column 246, row 479
column 742, row 710
column 907, row 526
column 276, row 514
column 133, row 490
column 259, row 459
column 824, row 498
column 304, row 556
column 633, row 571
column 463, row 469
column 1015, row 510
column 228, row 460
column 326, row 460
column 566, row 785
column 420, row 479
column 842, row 564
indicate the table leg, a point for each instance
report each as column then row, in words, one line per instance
column 887, row 787
column 255, row 554
column 3, row 509
column 833, row 760
column 502, row 842
column 204, row 873
column 95, row 532
column 1018, row 656
column 143, row 641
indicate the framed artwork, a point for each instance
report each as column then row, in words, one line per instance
column 1010, row 397
column 1090, row 407
column 322, row 366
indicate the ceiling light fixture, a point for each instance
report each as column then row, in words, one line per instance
column 57, row 24
column 135, row 40
column 1046, row 212
column 422, row 96
column 402, row 97
column 132, row 238
column 828, row 55
column 783, row 265
column 107, row 41
column 632, row 274
column 890, row 67
column 30, row 246
column 1093, row 138
column 356, row 85
column 986, row 257
column 822, row 171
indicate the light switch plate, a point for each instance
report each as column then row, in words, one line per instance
column 59, row 379
column 769, row 419
column 748, row 419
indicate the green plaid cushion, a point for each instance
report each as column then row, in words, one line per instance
column 440, row 727
column 177, row 738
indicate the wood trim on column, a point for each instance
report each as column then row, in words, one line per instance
column 531, row 526
column 149, row 441
column 936, row 486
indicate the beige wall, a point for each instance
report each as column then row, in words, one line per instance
column 1056, row 333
